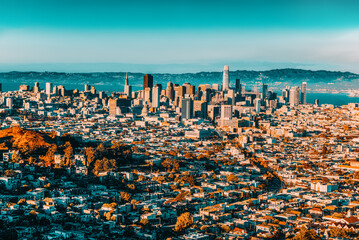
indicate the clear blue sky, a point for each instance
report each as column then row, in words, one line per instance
column 178, row 36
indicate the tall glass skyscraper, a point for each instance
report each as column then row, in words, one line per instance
column 225, row 85
column 303, row 98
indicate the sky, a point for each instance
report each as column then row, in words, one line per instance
column 178, row 36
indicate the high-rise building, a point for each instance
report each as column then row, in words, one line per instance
column 225, row 85
column 226, row 112
column 215, row 86
column 187, row 108
column 257, row 105
column 87, row 87
column 0, row 87
column 61, row 90
column 170, row 91
column 101, row 94
column 112, row 106
column 303, row 95
column 128, row 88
column 147, row 95
column 200, row 109
column 180, row 91
column 48, row 88
column 156, row 93
column 264, row 91
column 294, row 96
column 9, row 102
column 147, row 81
column 238, row 86
column 36, row 87
column 93, row 90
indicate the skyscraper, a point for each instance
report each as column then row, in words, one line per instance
column 156, row 92
column 128, row 88
column 112, row 105
column 48, row 88
column 87, row 87
column 147, row 97
column 294, row 96
column 147, row 81
column 170, row 91
column 257, row 105
column 37, row 87
column 303, row 95
column 187, row 108
column 264, row 91
column 238, row 86
column 226, row 112
column 225, row 85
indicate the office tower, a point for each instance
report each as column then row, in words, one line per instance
column 147, row 81
column 213, row 111
column 128, row 88
column 170, row 91
column 303, row 95
column 112, row 106
column 226, row 112
column 200, row 109
column 61, row 90
column 101, row 94
column 206, row 95
column 36, row 87
column 147, row 95
column 264, row 91
column 0, row 87
column 156, row 96
column 87, row 87
column 294, row 96
column 24, row 88
column 187, row 108
column 225, row 85
column 180, row 91
column 238, row 86
column 189, row 89
column 257, row 105
column 55, row 90
column 316, row 102
column 9, row 103
column 231, row 97
column 215, row 86
column 93, row 90
column 48, row 88
column 285, row 94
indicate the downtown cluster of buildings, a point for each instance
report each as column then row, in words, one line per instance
column 239, row 163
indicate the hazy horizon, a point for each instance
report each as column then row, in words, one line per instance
column 178, row 36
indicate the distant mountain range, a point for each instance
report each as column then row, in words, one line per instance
column 276, row 78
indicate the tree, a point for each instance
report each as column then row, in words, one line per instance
column 126, row 197
column 10, row 173
column 183, row 221
column 232, row 178
column 144, row 221
column 90, row 155
column 69, row 151
column 306, row 234
column 172, row 165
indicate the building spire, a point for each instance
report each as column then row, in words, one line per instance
column 126, row 80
